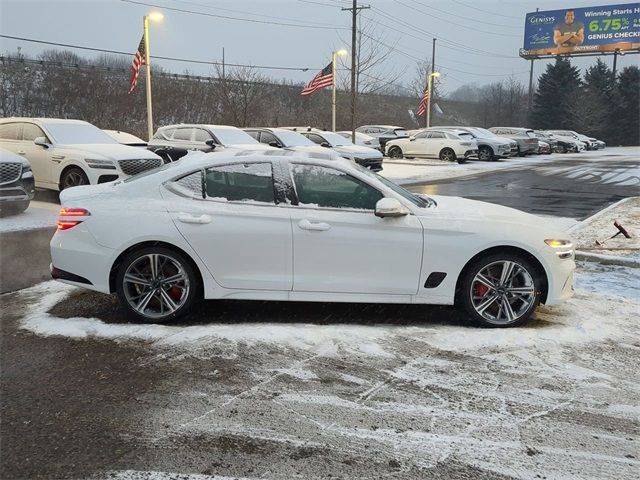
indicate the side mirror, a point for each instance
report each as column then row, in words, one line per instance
column 390, row 207
column 211, row 143
column 412, row 138
column 275, row 144
column 325, row 144
column 42, row 141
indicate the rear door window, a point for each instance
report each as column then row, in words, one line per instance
column 11, row 131
column 240, row 182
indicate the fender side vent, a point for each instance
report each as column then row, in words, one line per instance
column 434, row 279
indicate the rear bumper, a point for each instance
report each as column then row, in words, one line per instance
column 374, row 164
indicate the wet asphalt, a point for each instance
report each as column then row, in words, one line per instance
column 575, row 187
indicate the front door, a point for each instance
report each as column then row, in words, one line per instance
column 238, row 230
column 340, row 246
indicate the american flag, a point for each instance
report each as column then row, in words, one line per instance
column 422, row 108
column 321, row 80
column 138, row 61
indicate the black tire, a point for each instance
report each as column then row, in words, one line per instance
column 73, row 177
column 13, row 208
column 395, row 152
column 448, row 155
column 471, row 290
column 486, row 154
column 183, row 293
column 520, row 154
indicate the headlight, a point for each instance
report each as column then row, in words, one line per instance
column 102, row 164
column 26, row 168
column 563, row 248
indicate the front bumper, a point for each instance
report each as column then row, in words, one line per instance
column 559, row 276
column 21, row 190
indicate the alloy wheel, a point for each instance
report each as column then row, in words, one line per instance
column 155, row 285
column 502, row 292
column 73, row 178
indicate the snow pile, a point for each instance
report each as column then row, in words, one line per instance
column 584, row 318
column 153, row 475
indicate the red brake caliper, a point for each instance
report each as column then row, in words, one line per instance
column 480, row 289
column 175, row 293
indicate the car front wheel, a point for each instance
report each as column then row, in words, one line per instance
column 486, row 154
column 73, row 177
column 395, row 152
column 500, row 290
column 156, row 284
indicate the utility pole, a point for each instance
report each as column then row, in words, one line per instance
column 354, row 18
column 223, row 74
column 433, row 70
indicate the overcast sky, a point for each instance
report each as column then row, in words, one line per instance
column 494, row 29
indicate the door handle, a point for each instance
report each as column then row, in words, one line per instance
column 188, row 218
column 305, row 224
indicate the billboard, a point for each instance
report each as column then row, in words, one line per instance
column 582, row 30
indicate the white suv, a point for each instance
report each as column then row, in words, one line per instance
column 447, row 145
column 67, row 153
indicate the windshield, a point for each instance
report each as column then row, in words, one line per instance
column 233, row 136
column 400, row 132
column 415, row 199
column 336, row 140
column 483, row 133
column 293, row 139
column 77, row 133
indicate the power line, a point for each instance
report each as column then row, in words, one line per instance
column 454, row 23
column 429, row 35
column 173, row 59
column 485, row 11
column 227, row 17
column 260, row 15
column 475, row 20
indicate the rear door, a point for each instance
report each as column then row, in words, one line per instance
column 240, row 229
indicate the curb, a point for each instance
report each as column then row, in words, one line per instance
column 607, row 259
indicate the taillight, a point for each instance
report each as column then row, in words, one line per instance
column 70, row 217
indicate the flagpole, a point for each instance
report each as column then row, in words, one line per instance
column 148, row 79
column 333, row 93
column 430, row 84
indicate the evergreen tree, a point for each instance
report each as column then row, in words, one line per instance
column 555, row 101
column 626, row 117
column 596, row 105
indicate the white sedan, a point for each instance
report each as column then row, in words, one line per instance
column 447, row 145
column 289, row 227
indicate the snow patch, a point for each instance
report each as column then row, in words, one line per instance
column 31, row 218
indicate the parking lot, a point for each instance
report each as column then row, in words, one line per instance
column 299, row 390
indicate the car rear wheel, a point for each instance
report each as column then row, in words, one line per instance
column 448, row 155
column 500, row 290
column 156, row 284
column 73, row 177
column 395, row 152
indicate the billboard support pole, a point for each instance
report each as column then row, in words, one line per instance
column 531, row 85
column 615, row 64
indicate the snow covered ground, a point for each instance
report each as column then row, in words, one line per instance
column 38, row 215
column 386, row 393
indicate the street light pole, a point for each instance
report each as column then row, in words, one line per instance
column 429, row 85
column 155, row 16
column 334, row 57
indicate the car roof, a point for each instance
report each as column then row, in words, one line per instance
column 42, row 120
column 388, row 127
column 200, row 125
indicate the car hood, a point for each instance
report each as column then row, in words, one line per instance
column 108, row 151
column 358, row 151
column 458, row 209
